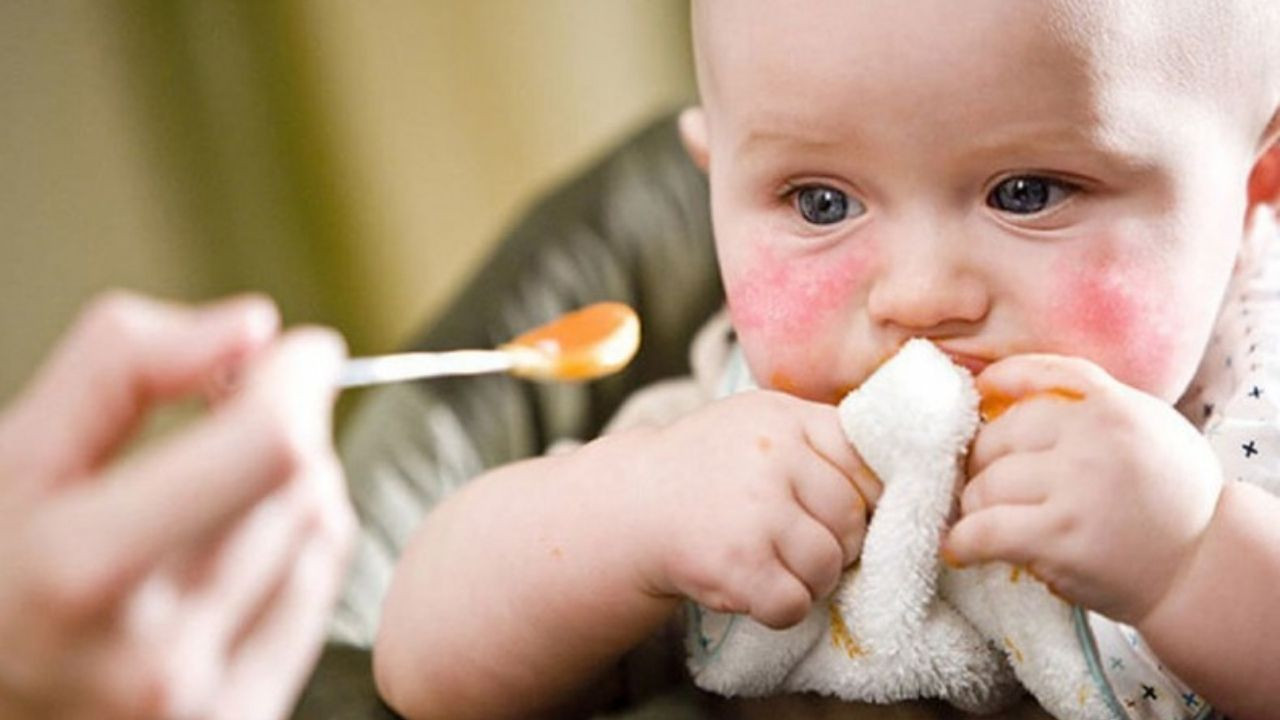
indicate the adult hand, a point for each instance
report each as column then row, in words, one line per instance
column 191, row 578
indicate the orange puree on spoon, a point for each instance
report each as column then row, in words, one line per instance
column 597, row 340
column 585, row 344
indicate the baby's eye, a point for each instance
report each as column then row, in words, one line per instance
column 825, row 205
column 1028, row 194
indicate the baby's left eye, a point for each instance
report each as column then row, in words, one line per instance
column 825, row 205
column 1029, row 194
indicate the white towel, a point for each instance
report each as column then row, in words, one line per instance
column 901, row 625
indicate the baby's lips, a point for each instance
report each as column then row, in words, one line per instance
column 994, row 404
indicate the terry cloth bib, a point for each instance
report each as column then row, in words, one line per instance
column 1234, row 398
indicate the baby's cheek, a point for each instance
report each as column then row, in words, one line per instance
column 792, row 313
column 1116, row 312
column 787, row 297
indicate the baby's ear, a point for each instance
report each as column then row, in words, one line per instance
column 693, row 132
column 1264, row 179
column 1264, row 197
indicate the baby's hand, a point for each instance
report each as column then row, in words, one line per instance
column 757, row 504
column 1101, row 490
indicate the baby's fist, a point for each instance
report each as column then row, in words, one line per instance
column 1102, row 490
column 761, row 503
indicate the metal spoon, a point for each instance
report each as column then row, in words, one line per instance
column 595, row 341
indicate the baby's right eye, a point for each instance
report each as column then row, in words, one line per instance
column 825, row 205
column 1029, row 194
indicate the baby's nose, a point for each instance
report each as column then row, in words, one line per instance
column 927, row 284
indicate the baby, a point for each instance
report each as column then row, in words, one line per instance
column 1055, row 193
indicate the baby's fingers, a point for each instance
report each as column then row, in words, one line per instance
column 1003, row 532
column 824, row 434
column 812, row 554
column 1020, row 375
column 1032, row 425
column 778, row 598
column 829, row 497
column 1018, row 479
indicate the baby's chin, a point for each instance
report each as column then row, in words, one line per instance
column 828, row 385
column 823, row 390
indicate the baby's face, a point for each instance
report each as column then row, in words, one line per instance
column 970, row 172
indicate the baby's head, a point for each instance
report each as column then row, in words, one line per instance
column 1002, row 177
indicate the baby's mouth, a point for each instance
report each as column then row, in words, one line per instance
column 973, row 363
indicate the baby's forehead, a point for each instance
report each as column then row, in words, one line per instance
column 1218, row 53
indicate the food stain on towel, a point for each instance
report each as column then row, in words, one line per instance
column 1016, row 653
column 840, row 635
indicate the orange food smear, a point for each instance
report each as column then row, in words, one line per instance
column 782, row 382
column 840, row 635
column 994, row 405
column 1017, row 653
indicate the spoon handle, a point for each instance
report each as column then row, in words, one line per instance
column 377, row 369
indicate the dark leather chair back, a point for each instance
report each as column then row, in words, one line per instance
column 635, row 228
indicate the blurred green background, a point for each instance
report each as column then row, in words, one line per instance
column 355, row 160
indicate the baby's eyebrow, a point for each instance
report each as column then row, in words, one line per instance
column 757, row 139
column 1123, row 153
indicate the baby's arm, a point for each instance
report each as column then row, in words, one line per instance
column 516, row 590
column 1118, row 503
column 1218, row 626
column 521, row 589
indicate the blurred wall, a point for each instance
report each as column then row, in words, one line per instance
column 352, row 159
column 78, row 210
column 452, row 115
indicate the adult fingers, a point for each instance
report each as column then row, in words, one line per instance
column 302, row 376
column 812, row 554
column 123, row 354
column 245, row 567
column 315, row 505
column 270, row 664
column 1020, row 479
column 1002, row 532
column 261, row 559
column 193, row 486
column 216, row 610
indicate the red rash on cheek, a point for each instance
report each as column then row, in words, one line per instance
column 1110, row 310
column 794, row 312
column 788, row 297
